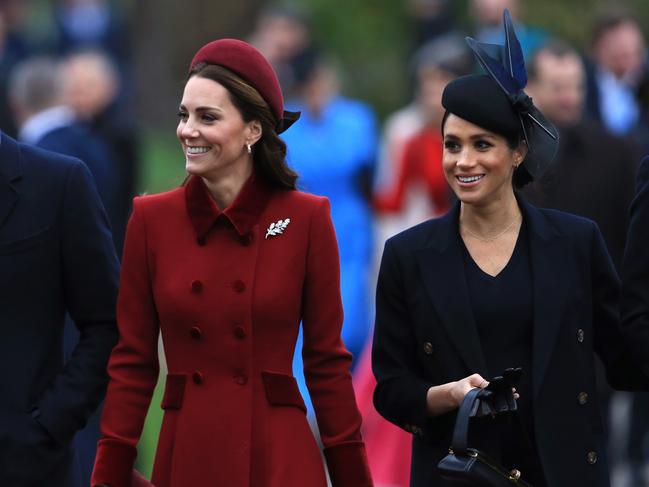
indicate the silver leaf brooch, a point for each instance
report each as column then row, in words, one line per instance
column 277, row 228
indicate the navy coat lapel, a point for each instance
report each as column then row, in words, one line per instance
column 442, row 270
column 10, row 172
column 547, row 260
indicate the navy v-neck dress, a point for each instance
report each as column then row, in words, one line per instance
column 503, row 310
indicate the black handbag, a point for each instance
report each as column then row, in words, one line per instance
column 464, row 466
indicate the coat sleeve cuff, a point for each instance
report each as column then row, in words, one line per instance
column 113, row 464
column 347, row 464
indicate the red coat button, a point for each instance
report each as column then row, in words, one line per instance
column 239, row 286
column 240, row 332
column 241, row 379
column 201, row 241
column 197, row 286
column 246, row 239
column 196, row 332
column 197, row 377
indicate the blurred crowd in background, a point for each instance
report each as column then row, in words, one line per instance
column 73, row 91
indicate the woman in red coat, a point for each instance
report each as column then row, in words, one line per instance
column 226, row 267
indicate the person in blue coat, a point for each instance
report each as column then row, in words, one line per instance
column 56, row 257
column 333, row 149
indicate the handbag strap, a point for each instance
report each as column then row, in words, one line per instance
column 461, row 431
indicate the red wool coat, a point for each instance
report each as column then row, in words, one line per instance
column 228, row 296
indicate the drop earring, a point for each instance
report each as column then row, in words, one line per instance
column 249, row 147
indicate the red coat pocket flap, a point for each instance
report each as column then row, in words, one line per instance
column 174, row 391
column 282, row 390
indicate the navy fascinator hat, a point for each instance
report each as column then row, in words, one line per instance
column 496, row 101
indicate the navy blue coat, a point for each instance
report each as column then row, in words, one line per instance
column 635, row 272
column 56, row 256
column 78, row 141
column 425, row 335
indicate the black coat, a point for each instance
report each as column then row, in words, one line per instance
column 592, row 176
column 425, row 335
column 56, row 256
column 635, row 272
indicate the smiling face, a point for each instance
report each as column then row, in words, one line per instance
column 212, row 132
column 478, row 164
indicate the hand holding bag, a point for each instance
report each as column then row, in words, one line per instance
column 465, row 466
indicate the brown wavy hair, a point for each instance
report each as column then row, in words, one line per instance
column 269, row 153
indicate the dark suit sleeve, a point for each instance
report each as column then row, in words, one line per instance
column 400, row 394
column 610, row 345
column 90, row 276
column 635, row 273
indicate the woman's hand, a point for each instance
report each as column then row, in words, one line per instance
column 447, row 397
column 460, row 388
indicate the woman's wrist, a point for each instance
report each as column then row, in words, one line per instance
column 441, row 399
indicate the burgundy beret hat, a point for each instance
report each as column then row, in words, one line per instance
column 247, row 62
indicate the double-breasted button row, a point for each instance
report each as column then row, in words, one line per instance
column 582, row 398
column 428, row 348
column 580, row 335
column 591, row 457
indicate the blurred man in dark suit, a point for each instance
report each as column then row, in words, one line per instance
column 635, row 306
column 593, row 173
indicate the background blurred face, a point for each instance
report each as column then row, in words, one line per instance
column 431, row 86
column 87, row 86
column 621, row 50
column 280, row 37
column 490, row 12
column 558, row 88
column 478, row 164
column 211, row 130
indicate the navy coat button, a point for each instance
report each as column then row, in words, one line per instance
column 197, row 286
column 239, row 286
column 428, row 348
column 197, row 377
column 240, row 332
column 582, row 398
column 591, row 457
column 196, row 333
column 580, row 335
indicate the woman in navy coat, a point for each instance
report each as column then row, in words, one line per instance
column 498, row 283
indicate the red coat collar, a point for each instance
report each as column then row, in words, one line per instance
column 243, row 213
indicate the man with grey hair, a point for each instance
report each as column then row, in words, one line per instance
column 36, row 99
